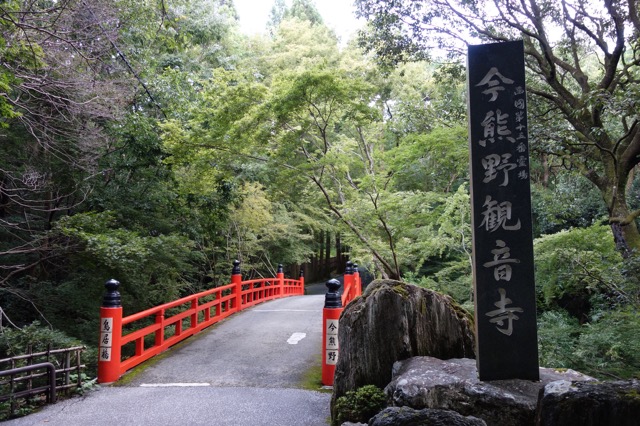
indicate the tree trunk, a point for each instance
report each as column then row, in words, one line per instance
column 546, row 174
column 339, row 256
column 313, row 276
column 623, row 226
column 321, row 260
column 327, row 255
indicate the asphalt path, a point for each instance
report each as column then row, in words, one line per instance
column 246, row 370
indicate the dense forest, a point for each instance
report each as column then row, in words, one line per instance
column 152, row 142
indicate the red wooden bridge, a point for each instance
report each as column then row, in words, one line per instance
column 252, row 369
column 126, row 342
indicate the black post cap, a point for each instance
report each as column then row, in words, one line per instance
column 349, row 269
column 332, row 298
column 236, row 268
column 280, row 268
column 111, row 298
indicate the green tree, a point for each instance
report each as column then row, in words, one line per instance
column 435, row 161
column 276, row 15
column 261, row 233
column 300, row 45
column 304, row 10
column 552, row 213
column 61, row 95
column 83, row 182
column 582, row 104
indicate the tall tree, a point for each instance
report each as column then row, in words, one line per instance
column 305, row 10
column 276, row 15
column 82, row 177
column 65, row 88
column 582, row 59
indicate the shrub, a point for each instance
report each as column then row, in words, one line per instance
column 360, row 405
column 609, row 346
column 558, row 335
column 452, row 278
column 16, row 341
column 577, row 269
column 606, row 348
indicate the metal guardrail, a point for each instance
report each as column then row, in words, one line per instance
column 50, row 387
column 21, row 378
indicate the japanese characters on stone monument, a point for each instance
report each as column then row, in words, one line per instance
column 504, row 285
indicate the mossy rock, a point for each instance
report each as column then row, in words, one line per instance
column 393, row 321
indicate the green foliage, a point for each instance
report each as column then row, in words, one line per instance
column 299, row 45
column 589, row 296
column 360, row 405
column 262, row 232
column 558, row 335
column 453, row 278
column 434, row 161
column 276, row 15
column 150, row 265
column 305, row 10
column 15, row 342
column 423, row 97
column 88, row 383
column 191, row 36
column 551, row 211
column 17, row 55
column 578, row 268
column 20, row 408
column 607, row 347
column 36, row 338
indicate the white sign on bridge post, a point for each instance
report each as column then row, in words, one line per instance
column 106, row 338
column 331, row 346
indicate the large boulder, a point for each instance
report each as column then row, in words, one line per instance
column 393, row 321
column 427, row 382
column 405, row 416
column 566, row 403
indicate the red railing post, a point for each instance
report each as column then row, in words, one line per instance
column 159, row 320
column 109, row 348
column 194, row 315
column 330, row 323
column 356, row 281
column 280, row 278
column 347, row 294
column 301, row 279
column 236, row 278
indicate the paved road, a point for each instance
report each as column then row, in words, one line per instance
column 246, row 370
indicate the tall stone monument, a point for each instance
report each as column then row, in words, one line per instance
column 504, row 285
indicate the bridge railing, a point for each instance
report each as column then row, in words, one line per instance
column 334, row 304
column 352, row 283
column 154, row 330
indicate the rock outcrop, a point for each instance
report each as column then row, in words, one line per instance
column 393, row 321
column 397, row 336
column 564, row 403
column 405, row 416
column 427, row 382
